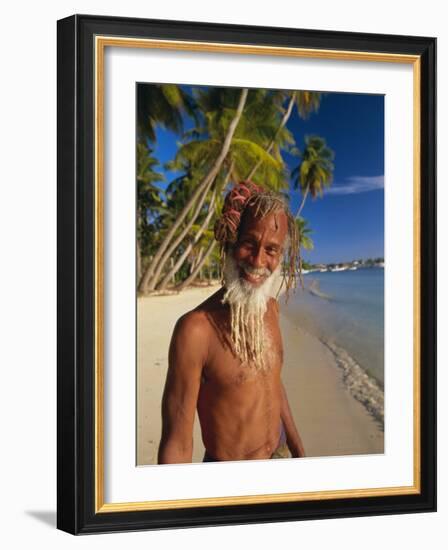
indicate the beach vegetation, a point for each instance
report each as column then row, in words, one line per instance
column 304, row 232
column 314, row 171
column 224, row 135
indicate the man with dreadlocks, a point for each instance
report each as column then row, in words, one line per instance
column 226, row 355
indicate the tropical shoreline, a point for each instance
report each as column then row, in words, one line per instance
column 332, row 422
column 357, row 381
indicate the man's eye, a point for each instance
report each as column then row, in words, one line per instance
column 272, row 251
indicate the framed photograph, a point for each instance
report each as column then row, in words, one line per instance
column 246, row 273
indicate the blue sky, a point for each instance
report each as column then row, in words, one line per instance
column 348, row 222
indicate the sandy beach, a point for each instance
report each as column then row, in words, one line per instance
column 330, row 420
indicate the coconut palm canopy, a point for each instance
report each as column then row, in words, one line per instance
column 223, row 136
column 232, row 134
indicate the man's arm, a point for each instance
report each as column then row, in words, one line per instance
column 187, row 356
column 293, row 439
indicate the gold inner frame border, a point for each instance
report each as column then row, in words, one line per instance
column 101, row 42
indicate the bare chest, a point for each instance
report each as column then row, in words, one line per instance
column 225, row 370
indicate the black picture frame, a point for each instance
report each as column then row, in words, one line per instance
column 77, row 495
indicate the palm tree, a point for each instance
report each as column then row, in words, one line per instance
column 263, row 122
column 255, row 147
column 198, row 231
column 149, row 201
column 258, row 122
column 315, row 171
column 305, row 102
column 161, row 104
column 201, row 190
column 192, row 223
column 205, row 256
column 304, row 231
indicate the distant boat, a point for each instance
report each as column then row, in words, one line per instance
column 323, row 270
column 354, row 268
column 339, row 269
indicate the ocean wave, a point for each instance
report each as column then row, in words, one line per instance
column 314, row 289
column 363, row 387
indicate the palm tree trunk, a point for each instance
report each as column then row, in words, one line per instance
column 197, row 259
column 302, row 204
column 166, row 256
column 282, row 124
column 198, row 267
column 158, row 271
column 202, row 188
column 157, row 274
column 190, row 246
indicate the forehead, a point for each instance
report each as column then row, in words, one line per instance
column 273, row 226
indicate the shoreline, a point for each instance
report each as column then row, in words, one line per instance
column 331, row 421
column 359, row 382
column 352, row 328
column 361, row 385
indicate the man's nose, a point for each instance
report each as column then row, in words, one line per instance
column 258, row 258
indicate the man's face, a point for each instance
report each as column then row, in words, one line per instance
column 259, row 248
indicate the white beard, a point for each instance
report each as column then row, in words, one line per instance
column 248, row 304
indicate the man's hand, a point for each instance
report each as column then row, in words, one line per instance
column 296, row 449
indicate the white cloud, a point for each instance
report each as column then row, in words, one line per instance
column 357, row 184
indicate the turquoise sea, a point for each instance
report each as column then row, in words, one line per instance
column 345, row 310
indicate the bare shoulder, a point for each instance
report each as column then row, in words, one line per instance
column 192, row 325
column 193, row 331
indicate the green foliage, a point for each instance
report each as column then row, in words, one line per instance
column 306, row 265
column 315, row 171
column 256, row 129
column 261, row 139
column 149, row 198
column 307, row 103
column 161, row 104
column 304, row 231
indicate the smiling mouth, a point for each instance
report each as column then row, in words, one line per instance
column 254, row 278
